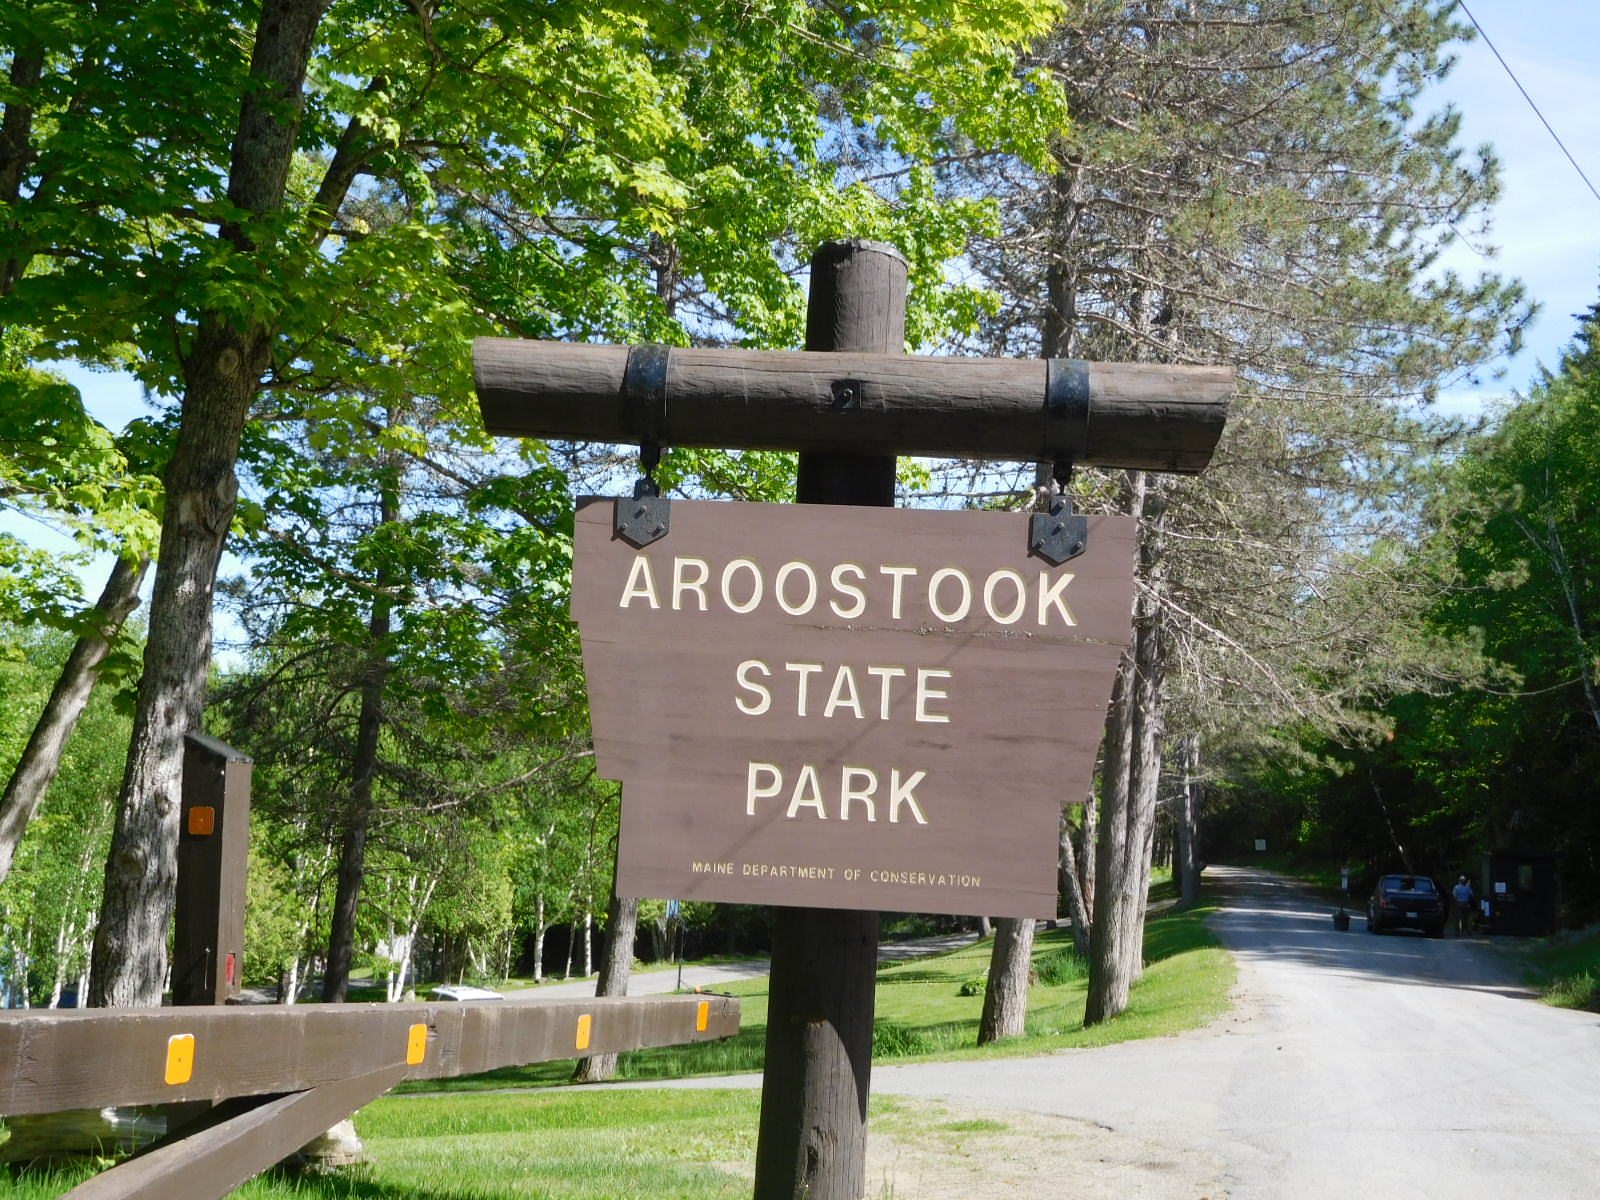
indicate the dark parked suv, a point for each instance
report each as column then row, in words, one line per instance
column 1406, row 902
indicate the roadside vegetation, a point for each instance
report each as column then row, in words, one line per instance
column 1566, row 968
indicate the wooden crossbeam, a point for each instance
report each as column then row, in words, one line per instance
column 243, row 1140
column 85, row 1058
column 1138, row 415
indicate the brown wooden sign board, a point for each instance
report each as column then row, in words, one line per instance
column 840, row 707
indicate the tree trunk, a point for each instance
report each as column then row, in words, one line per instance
column 41, row 758
column 621, row 929
column 539, row 928
column 225, row 362
column 130, row 953
column 1072, row 885
column 358, row 819
column 16, row 150
column 1149, row 716
column 1133, row 737
column 364, row 765
column 346, row 900
column 1108, row 983
column 1086, row 860
column 1005, row 999
column 1186, row 823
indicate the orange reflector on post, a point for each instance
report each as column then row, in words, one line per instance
column 202, row 820
column 584, row 1023
column 702, row 1016
column 416, row 1045
column 180, row 1058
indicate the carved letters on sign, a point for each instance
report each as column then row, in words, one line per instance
column 847, row 707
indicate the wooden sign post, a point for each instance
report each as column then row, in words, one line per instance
column 872, row 708
column 816, row 1077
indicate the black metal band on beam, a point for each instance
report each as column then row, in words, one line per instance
column 1067, row 400
column 644, row 392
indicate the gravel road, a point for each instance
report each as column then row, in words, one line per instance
column 1351, row 1066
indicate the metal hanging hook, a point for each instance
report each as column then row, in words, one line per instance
column 1059, row 534
column 648, row 516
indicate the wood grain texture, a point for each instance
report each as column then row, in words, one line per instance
column 1140, row 415
column 1017, row 707
column 84, row 1058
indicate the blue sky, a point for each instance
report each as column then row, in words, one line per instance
column 1547, row 224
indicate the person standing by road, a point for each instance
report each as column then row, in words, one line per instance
column 1461, row 906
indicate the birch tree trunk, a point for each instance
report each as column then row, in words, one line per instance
column 41, row 757
column 539, row 928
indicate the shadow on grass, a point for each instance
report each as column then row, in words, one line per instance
column 887, row 977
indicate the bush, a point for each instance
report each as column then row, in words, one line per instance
column 976, row 986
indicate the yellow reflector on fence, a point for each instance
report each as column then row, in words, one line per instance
column 702, row 1016
column 180, row 1058
column 584, row 1023
column 416, row 1044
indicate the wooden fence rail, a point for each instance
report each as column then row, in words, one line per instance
column 282, row 1074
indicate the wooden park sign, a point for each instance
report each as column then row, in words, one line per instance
column 845, row 707
column 894, row 718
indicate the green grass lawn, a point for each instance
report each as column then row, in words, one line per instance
column 545, row 1143
column 575, row 1145
column 921, row 1014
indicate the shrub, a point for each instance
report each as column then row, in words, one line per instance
column 976, row 986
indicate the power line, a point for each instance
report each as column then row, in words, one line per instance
column 1513, row 76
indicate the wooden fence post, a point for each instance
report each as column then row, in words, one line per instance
column 213, row 862
column 213, row 853
column 812, row 1143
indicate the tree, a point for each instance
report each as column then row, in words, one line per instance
column 1514, row 558
column 224, row 261
column 1254, row 188
column 48, row 903
column 64, row 471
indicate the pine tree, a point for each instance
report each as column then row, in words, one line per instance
column 1254, row 187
